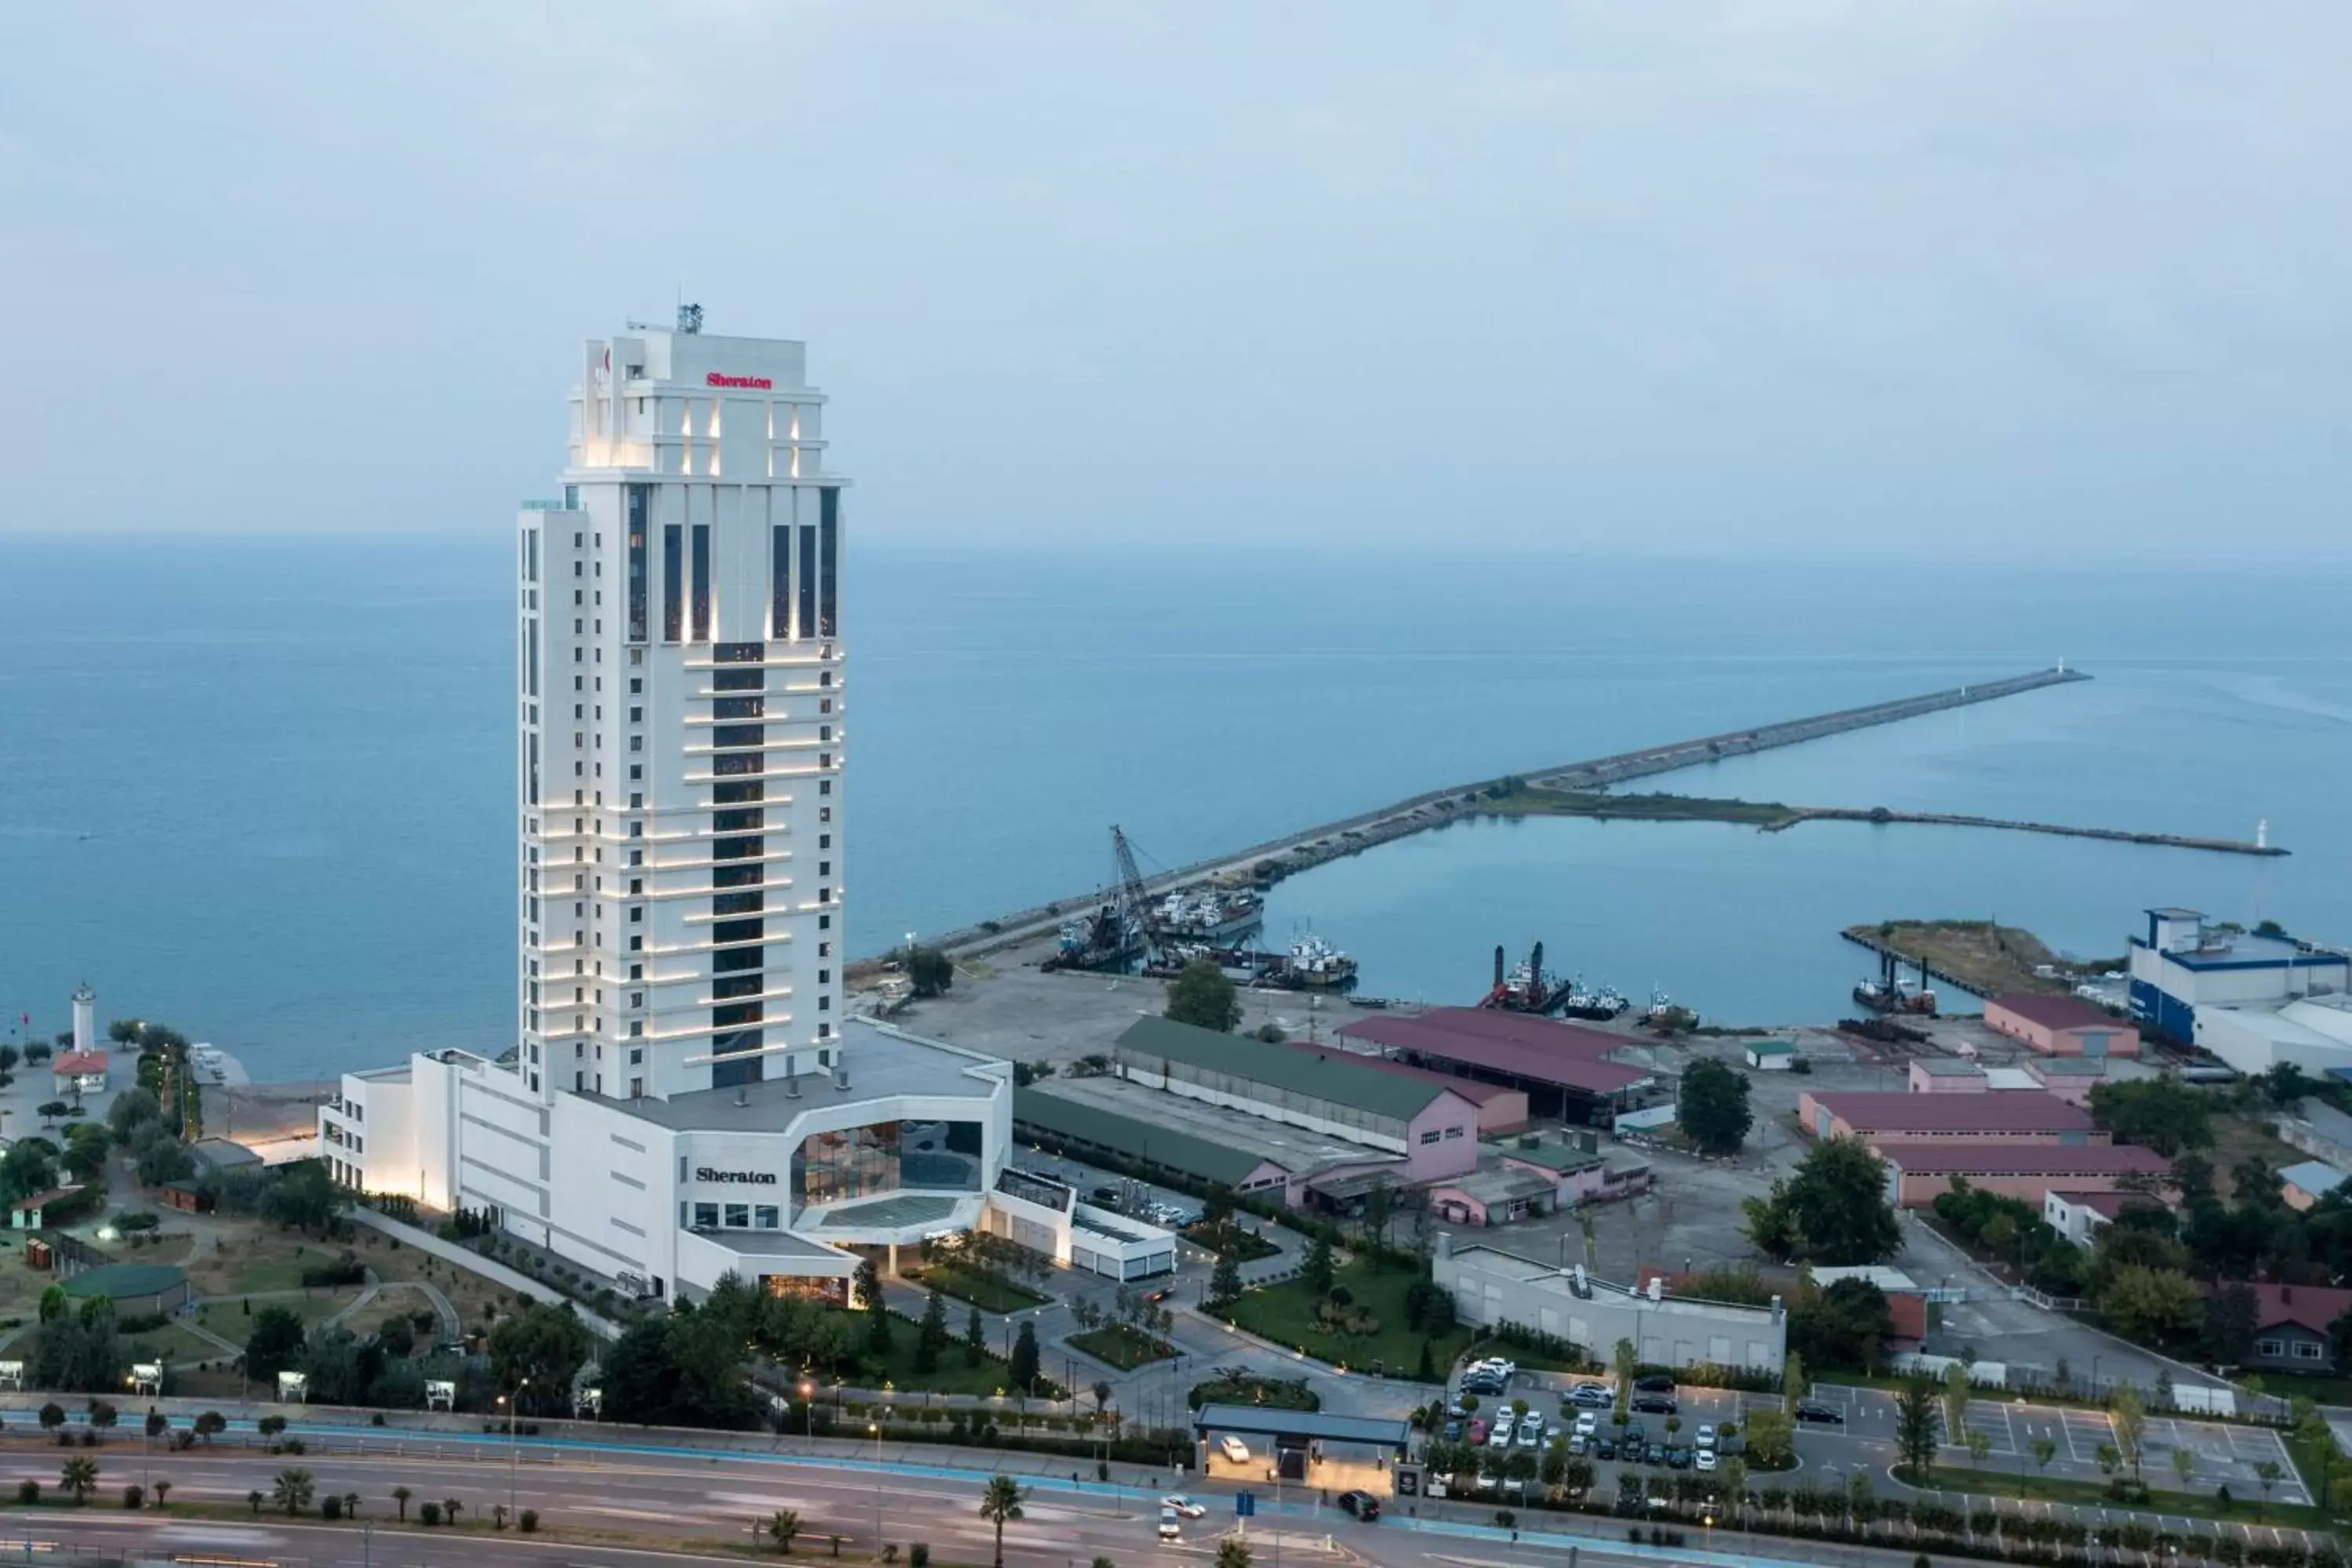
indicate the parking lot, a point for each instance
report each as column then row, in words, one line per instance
column 2225, row 1453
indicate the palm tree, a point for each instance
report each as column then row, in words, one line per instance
column 254, row 1500
column 450, row 1508
column 782, row 1525
column 352, row 1504
column 79, row 1476
column 999, row 1501
column 292, row 1490
column 163, row 1493
column 1231, row 1553
column 401, row 1495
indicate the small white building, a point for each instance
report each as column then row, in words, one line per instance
column 2313, row 1033
column 1772, row 1055
column 1490, row 1285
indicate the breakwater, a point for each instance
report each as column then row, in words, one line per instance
column 1278, row 857
column 1956, row 819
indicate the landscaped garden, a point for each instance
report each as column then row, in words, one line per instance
column 1122, row 1345
column 1392, row 1321
column 987, row 1289
column 1226, row 1238
column 1237, row 1385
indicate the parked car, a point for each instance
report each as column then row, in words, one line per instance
column 1362, row 1505
column 1706, row 1459
column 1481, row 1383
column 1170, row 1530
column 1499, row 1436
column 1633, row 1450
column 1591, row 1396
column 1655, row 1404
column 1532, row 1430
column 1184, row 1506
column 1477, row 1430
column 1678, row 1458
column 1705, row 1439
column 1587, row 1424
column 1820, row 1415
column 1578, row 1444
column 1605, row 1446
column 1235, row 1450
column 1453, row 1430
column 1657, row 1383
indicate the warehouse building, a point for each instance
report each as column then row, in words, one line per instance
column 1566, row 1071
column 1436, row 1129
column 2011, row 1115
column 2313, row 1033
column 1918, row 1172
column 1502, row 1110
column 1197, row 1143
column 1491, row 1287
column 2183, row 966
column 2062, row 1026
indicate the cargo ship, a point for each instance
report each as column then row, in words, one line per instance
column 1212, row 915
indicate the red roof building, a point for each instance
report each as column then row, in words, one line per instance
column 1555, row 1062
column 2062, row 1026
column 2030, row 1115
column 2293, row 1325
column 1920, row 1171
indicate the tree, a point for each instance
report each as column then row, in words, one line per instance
column 1843, row 1326
column 2184, row 1465
column 78, row 1476
column 1225, row 1280
column 1202, row 995
column 1712, row 1106
column 1832, row 1211
column 2232, row 1319
column 274, row 1344
column 929, row 972
column 86, row 1146
column 103, row 1416
column 400, row 1496
column 975, row 1338
column 163, row 1493
column 1979, row 1445
column 1793, row 1382
column 1380, row 1203
column 1771, row 1437
column 54, row 1303
column 51, row 1110
column 2129, row 1417
column 451, row 1508
column 999, row 1502
column 1955, row 1402
column 1914, row 1426
column 131, row 1108
column 211, row 1425
column 2044, row 1450
column 782, row 1525
column 932, row 1337
column 2143, row 1303
column 28, row 1167
column 2268, row 1472
column 1623, row 1359
column 2159, row 1113
column 1317, row 1270
column 53, row 1415
column 537, row 1352
column 1233, row 1553
column 1024, row 1357
column 292, row 1489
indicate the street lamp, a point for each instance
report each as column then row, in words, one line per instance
column 514, row 1453
column 808, row 1411
column 875, row 1427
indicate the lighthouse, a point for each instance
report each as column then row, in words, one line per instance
column 85, row 1018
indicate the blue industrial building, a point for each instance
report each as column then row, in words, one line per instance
column 2184, row 962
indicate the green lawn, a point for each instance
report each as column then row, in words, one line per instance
column 1285, row 1313
column 1246, row 1245
column 1122, row 1345
column 954, row 1374
column 987, row 1289
column 2199, row 1504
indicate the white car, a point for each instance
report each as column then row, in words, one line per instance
column 1706, row 1459
column 1185, row 1507
column 1168, row 1528
column 1501, row 1366
column 1235, row 1451
column 1587, row 1424
column 1500, row 1435
column 1705, row 1439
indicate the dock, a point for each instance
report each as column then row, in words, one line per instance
column 1279, row 857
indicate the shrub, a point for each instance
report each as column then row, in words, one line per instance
column 28, row 1493
column 331, row 1507
column 134, row 1496
column 527, row 1520
column 430, row 1514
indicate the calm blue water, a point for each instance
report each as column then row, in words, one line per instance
column 263, row 790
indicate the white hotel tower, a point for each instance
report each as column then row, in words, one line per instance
column 687, row 1098
column 681, row 710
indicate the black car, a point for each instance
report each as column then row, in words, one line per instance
column 1655, row 1404
column 1657, row 1383
column 1678, row 1458
column 1159, row 1295
column 1454, row 1431
column 1604, row 1448
column 1820, row 1415
column 1631, row 1450
column 1362, row 1505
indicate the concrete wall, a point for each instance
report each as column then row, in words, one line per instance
column 1489, row 1290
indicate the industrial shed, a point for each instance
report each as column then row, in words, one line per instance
column 1564, row 1068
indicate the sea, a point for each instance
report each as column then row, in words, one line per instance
column 263, row 789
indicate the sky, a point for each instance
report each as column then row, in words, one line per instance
column 2048, row 279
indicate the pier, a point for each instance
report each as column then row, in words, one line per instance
column 1955, row 819
column 1293, row 852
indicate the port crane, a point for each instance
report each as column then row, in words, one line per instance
column 1133, row 894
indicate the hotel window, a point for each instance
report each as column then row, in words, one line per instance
column 706, row 1216
column 764, row 1217
column 780, row 582
column 806, row 583
column 673, row 581
column 701, row 582
column 829, row 552
column 739, row 1217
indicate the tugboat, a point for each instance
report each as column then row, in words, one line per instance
column 1598, row 1007
column 1527, row 988
column 1212, row 915
column 1891, row 993
column 1317, row 966
column 1106, row 938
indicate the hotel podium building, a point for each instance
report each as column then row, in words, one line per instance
column 686, row 1096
